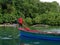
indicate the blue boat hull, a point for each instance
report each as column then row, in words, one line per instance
column 39, row 36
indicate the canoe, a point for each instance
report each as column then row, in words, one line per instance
column 39, row 35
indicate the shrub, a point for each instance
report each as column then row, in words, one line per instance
column 28, row 20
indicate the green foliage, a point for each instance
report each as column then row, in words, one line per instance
column 33, row 11
column 1, row 18
column 28, row 20
column 37, row 19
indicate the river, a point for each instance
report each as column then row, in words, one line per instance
column 27, row 41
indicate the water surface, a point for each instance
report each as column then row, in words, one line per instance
column 7, row 32
column 27, row 41
column 9, row 42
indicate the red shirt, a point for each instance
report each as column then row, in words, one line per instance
column 20, row 20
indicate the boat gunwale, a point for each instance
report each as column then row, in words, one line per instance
column 39, row 32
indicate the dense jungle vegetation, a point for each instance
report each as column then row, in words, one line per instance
column 32, row 11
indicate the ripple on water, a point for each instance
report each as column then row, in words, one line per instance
column 5, row 38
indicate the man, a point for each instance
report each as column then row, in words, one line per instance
column 20, row 21
column 22, row 24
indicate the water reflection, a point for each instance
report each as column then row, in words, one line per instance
column 9, row 42
column 27, row 41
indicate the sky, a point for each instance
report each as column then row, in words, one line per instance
column 50, row 1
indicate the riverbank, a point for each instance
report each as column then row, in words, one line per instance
column 9, row 25
column 16, row 25
column 40, row 25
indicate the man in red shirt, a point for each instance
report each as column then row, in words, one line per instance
column 20, row 20
column 21, row 23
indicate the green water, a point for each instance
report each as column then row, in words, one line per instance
column 9, row 42
column 12, row 32
column 27, row 42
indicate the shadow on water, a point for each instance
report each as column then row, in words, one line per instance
column 28, row 41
